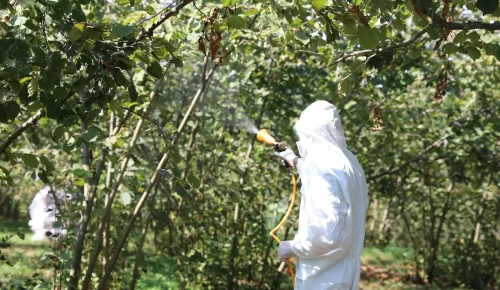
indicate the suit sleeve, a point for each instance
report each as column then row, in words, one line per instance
column 326, row 209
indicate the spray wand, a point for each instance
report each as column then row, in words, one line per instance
column 265, row 137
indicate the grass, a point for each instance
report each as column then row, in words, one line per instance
column 24, row 254
column 27, row 257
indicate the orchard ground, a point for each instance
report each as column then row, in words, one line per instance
column 387, row 268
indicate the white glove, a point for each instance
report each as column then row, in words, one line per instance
column 288, row 156
column 285, row 250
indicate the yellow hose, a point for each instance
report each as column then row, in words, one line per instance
column 287, row 214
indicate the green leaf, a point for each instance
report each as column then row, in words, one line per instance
column 350, row 27
column 177, row 62
column 31, row 25
column 319, row 4
column 346, row 86
column 33, row 86
column 237, row 22
column 80, row 172
column 120, row 30
column 21, row 235
column 302, row 37
column 122, row 78
column 235, row 196
column 78, row 14
column 56, row 60
column 60, row 93
column 91, row 134
column 251, row 12
column 30, row 160
column 193, row 180
column 461, row 37
column 133, row 93
column 150, row 10
column 368, row 37
column 3, row 55
column 473, row 52
column 14, row 85
column 48, row 164
column 179, row 189
column 155, row 69
column 58, row 133
column 491, row 49
column 47, row 81
column 474, row 37
column 38, row 54
column 26, row 3
column 134, row 17
column 487, row 6
column 12, row 109
column 228, row 3
column 76, row 32
column 450, row 48
column 142, row 56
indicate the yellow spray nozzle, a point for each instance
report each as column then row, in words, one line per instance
column 265, row 137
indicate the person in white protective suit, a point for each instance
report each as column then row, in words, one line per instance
column 333, row 205
column 43, row 212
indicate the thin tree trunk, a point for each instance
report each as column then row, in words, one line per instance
column 192, row 140
column 138, row 253
column 77, row 253
column 384, row 217
column 374, row 214
column 479, row 219
column 106, row 240
column 435, row 243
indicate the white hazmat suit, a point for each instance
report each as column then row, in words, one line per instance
column 333, row 205
column 43, row 212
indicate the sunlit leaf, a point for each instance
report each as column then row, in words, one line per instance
column 120, row 30
column 319, row 4
column 77, row 31
column 368, row 37
column 227, row 3
column 237, row 22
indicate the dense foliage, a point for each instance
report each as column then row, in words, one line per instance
column 141, row 107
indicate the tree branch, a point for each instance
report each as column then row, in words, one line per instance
column 383, row 49
column 163, row 18
column 437, row 143
column 5, row 144
column 468, row 25
column 437, row 22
